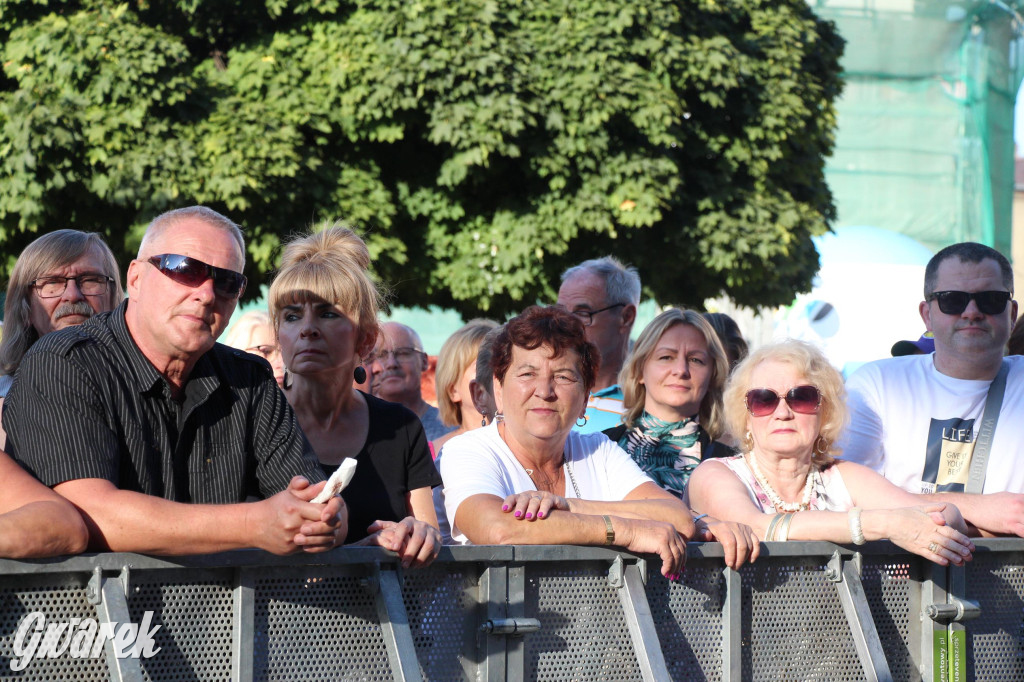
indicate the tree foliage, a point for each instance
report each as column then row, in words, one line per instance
column 482, row 146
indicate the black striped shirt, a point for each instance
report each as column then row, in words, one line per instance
column 86, row 403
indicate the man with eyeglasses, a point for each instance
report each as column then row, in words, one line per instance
column 397, row 366
column 917, row 419
column 157, row 433
column 61, row 279
column 604, row 294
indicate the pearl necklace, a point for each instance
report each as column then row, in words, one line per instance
column 773, row 495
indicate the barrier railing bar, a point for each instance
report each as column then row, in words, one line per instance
column 494, row 595
column 113, row 608
column 640, row 622
column 515, row 647
column 862, row 623
column 934, row 649
column 242, row 626
column 394, row 625
column 732, row 627
column 957, row 634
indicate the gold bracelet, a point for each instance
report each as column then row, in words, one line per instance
column 769, row 535
column 609, row 531
column 784, row 527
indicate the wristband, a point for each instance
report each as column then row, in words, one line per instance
column 609, row 531
column 856, row 530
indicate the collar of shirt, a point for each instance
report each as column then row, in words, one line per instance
column 201, row 383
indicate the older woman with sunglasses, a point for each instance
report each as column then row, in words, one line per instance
column 789, row 403
column 324, row 306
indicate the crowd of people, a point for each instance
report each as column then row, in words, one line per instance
column 129, row 428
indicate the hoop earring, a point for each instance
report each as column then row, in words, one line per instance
column 285, row 383
column 821, row 446
column 585, row 419
column 359, row 374
column 748, row 441
column 499, row 417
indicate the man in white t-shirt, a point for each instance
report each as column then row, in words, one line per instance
column 915, row 419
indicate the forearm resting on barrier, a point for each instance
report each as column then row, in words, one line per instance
column 126, row 521
column 481, row 519
column 992, row 514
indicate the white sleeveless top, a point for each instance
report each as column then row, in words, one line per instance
column 828, row 494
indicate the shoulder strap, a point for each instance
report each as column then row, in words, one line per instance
column 993, row 403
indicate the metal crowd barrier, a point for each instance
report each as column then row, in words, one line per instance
column 805, row 610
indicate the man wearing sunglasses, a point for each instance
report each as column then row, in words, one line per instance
column 604, row 294
column 158, row 434
column 917, row 419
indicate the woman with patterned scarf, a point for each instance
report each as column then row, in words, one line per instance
column 672, row 387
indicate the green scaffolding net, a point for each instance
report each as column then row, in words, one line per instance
column 924, row 145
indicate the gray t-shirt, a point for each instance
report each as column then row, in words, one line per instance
column 432, row 424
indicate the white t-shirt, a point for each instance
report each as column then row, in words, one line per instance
column 917, row 426
column 479, row 462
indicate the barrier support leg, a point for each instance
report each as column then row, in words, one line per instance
column 113, row 608
column 394, row 622
column 732, row 627
column 494, row 593
column 641, row 624
column 862, row 623
column 242, row 627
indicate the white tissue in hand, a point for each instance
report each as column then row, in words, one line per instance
column 341, row 477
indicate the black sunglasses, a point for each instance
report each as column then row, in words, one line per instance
column 192, row 273
column 955, row 302
column 761, row 402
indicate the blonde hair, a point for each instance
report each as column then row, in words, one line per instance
column 329, row 264
column 53, row 250
column 244, row 328
column 810, row 362
column 635, row 394
column 458, row 352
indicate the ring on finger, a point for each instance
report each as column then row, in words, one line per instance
column 933, row 548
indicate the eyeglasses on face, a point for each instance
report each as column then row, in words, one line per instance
column 403, row 355
column 955, row 302
column 89, row 285
column 762, row 402
column 192, row 273
column 587, row 316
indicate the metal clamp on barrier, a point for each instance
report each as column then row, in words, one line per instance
column 510, row 626
column 956, row 611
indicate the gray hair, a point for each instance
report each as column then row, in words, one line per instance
column 201, row 213
column 621, row 282
column 53, row 250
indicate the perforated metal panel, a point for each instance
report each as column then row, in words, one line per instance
column 891, row 596
column 195, row 625
column 440, row 606
column 796, row 625
column 59, row 603
column 317, row 628
column 996, row 638
column 688, row 617
column 583, row 633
